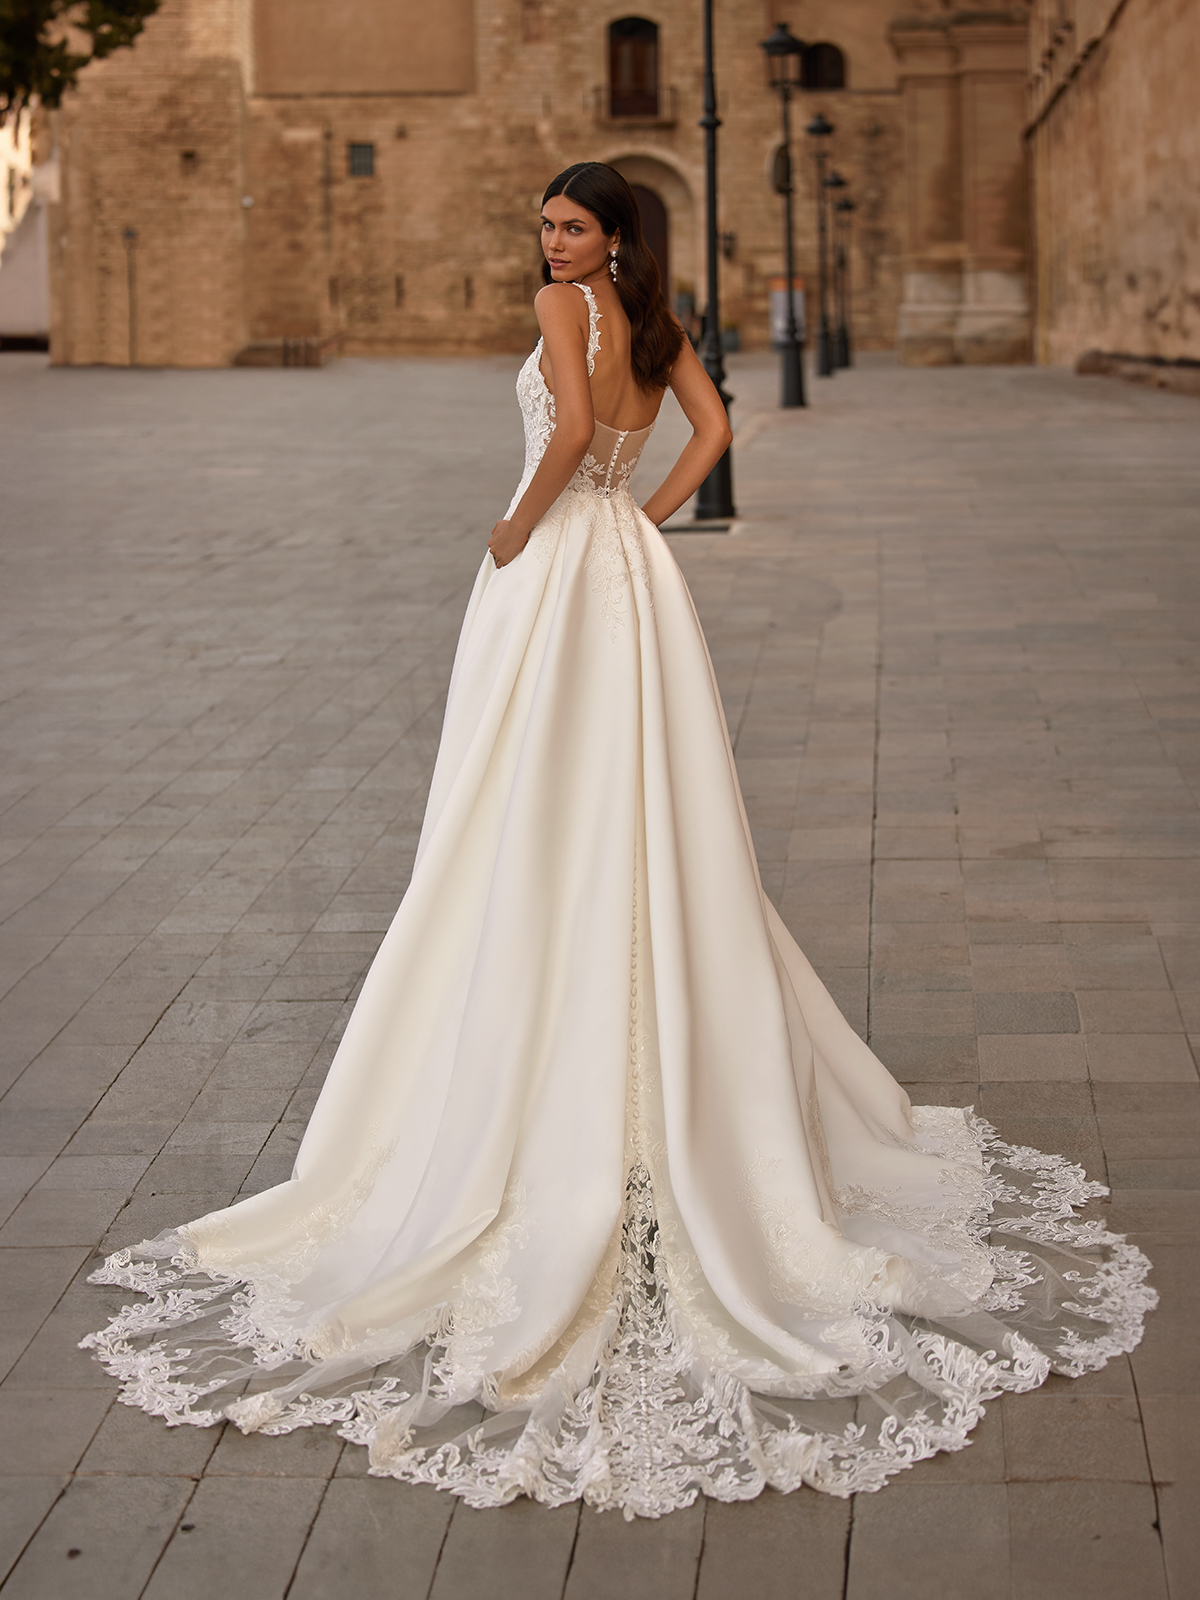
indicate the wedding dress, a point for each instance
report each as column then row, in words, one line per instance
column 603, row 1198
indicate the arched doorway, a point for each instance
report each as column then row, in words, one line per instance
column 656, row 230
column 669, row 221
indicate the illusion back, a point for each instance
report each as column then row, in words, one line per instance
column 613, row 453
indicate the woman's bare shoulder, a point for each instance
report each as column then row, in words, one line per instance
column 560, row 305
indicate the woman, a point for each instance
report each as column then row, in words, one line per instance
column 603, row 1198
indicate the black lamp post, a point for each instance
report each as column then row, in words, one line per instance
column 833, row 184
column 819, row 130
column 129, row 239
column 843, row 212
column 784, row 53
column 714, row 500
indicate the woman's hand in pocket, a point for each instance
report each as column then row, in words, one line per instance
column 506, row 543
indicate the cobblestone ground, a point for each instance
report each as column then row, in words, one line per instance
column 956, row 632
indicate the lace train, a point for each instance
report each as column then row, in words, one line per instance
column 638, row 1415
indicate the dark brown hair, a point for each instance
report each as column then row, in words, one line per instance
column 655, row 337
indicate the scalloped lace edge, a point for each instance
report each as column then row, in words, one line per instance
column 639, row 1416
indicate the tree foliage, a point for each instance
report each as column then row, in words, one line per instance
column 39, row 40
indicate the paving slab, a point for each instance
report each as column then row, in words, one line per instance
column 366, row 1541
column 954, row 630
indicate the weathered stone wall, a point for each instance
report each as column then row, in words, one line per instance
column 438, row 251
column 222, row 146
column 148, row 241
column 1115, row 138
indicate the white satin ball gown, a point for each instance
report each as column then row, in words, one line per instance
column 603, row 1198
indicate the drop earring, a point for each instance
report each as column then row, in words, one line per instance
column 612, row 264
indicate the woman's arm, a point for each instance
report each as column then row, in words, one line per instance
column 562, row 317
column 702, row 406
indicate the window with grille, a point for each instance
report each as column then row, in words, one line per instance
column 633, row 68
column 362, row 160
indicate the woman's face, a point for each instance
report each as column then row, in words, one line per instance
column 573, row 241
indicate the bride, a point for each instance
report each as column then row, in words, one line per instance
column 603, row 1198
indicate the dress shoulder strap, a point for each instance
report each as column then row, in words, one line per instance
column 593, row 327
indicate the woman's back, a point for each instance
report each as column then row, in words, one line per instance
column 617, row 401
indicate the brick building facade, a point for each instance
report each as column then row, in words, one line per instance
column 265, row 175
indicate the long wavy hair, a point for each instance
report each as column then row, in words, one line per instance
column 655, row 336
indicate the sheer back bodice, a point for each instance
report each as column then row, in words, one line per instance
column 613, row 453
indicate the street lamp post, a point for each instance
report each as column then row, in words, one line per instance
column 833, row 184
column 784, row 53
column 714, row 500
column 130, row 238
column 843, row 212
column 819, row 130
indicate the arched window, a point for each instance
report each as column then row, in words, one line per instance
column 823, row 67
column 633, row 68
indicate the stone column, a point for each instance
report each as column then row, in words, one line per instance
column 966, row 263
column 933, row 248
column 994, row 318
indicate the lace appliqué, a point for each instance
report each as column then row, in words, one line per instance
column 638, row 1414
column 594, row 315
column 798, row 1271
column 536, row 401
column 616, row 556
column 537, row 414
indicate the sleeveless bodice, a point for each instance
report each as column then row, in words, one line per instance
column 609, row 461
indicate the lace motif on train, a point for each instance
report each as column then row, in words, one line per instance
column 653, row 1417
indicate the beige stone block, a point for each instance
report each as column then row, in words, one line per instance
column 938, row 1013
column 829, row 844
column 915, row 1539
column 1148, row 1057
column 367, row 1532
column 916, row 844
column 1013, row 930
column 1074, row 1436
column 1180, row 1536
column 123, row 1444
column 1050, row 1011
column 1085, row 1538
column 1155, row 1212
column 223, row 1532
column 1014, row 968
column 45, row 1431
column 1006, row 842
column 25, row 1503
column 935, row 1058
column 119, row 1526
column 1032, row 1057
column 759, row 1545
column 1128, row 1011
column 905, row 936
column 526, row 1547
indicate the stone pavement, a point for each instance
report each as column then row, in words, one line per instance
column 956, row 632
